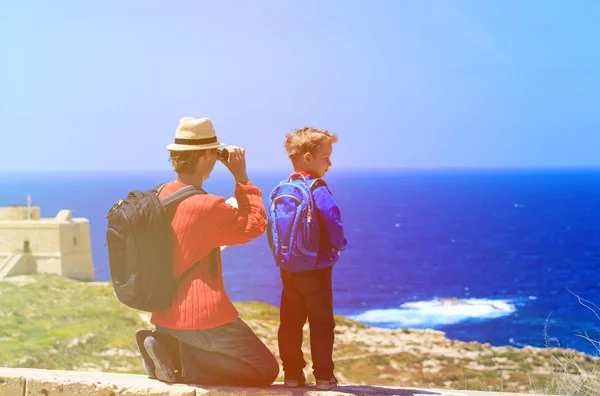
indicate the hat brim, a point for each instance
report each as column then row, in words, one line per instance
column 187, row 147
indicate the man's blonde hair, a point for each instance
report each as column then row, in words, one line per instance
column 185, row 161
column 306, row 140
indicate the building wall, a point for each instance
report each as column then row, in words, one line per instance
column 42, row 237
column 78, row 266
column 59, row 247
column 25, row 266
column 75, row 237
column 76, row 249
column 48, row 264
column 19, row 213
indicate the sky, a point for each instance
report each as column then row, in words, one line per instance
column 101, row 85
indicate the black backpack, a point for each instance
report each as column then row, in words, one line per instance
column 140, row 252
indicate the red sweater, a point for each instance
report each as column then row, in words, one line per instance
column 201, row 223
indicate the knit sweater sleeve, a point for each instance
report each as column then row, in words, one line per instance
column 236, row 226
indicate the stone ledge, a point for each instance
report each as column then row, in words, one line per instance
column 27, row 382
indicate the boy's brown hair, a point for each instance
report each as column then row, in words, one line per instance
column 306, row 140
column 185, row 161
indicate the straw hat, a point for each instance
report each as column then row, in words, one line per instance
column 195, row 134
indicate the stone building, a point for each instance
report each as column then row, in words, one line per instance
column 30, row 244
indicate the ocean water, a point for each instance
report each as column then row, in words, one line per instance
column 489, row 256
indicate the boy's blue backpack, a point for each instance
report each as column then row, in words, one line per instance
column 293, row 230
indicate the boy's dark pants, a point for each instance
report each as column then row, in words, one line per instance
column 307, row 295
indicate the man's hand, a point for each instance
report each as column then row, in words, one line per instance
column 237, row 163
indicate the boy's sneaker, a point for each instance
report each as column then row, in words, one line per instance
column 327, row 384
column 140, row 337
column 163, row 365
column 294, row 382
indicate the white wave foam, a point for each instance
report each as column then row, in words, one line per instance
column 438, row 312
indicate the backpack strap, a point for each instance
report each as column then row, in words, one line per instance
column 317, row 183
column 296, row 176
column 170, row 202
column 159, row 188
column 212, row 266
column 180, row 195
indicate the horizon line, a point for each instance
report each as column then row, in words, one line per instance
column 420, row 168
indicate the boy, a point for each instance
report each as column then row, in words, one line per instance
column 308, row 294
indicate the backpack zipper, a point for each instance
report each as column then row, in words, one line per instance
column 124, row 215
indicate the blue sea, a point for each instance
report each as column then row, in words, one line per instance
column 514, row 247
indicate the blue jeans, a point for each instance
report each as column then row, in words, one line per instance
column 230, row 354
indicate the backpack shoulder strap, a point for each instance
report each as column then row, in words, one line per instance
column 317, row 183
column 212, row 266
column 297, row 176
column 173, row 200
column 182, row 194
column 159, row 188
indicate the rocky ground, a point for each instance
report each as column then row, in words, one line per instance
column 55, row 323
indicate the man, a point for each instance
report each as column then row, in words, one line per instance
column 215, row 345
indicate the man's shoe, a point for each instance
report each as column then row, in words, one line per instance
column 140, row 337
column 327, row 384
column 294, row 382
column 165, row 370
